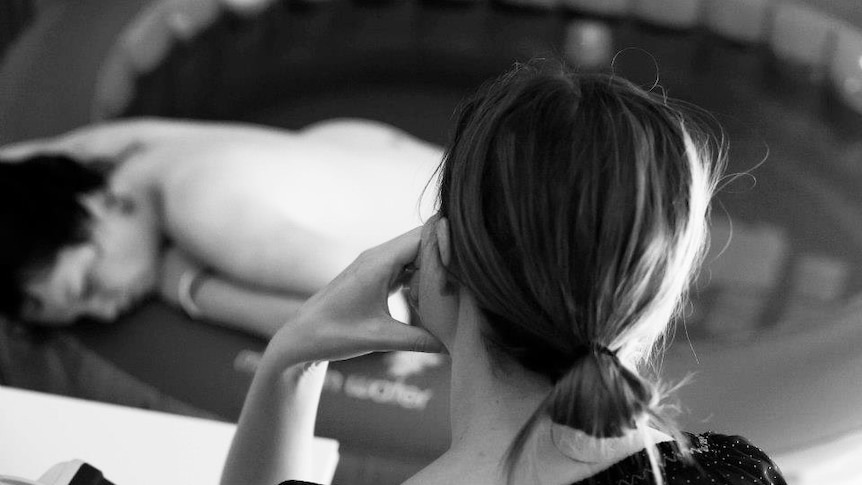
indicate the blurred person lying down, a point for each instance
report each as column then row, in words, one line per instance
column 234, row 223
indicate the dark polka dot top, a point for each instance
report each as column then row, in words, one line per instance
column 715, row 459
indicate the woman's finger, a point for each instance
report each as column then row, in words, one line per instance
column 404, row 248
column 390, row 258
column 394, row 335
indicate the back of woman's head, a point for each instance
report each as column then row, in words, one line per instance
column 577, row 206
column 40, row 213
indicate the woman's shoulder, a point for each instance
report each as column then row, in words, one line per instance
column 714, row 458
column 731, row 459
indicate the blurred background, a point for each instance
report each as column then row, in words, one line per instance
column 773, row 336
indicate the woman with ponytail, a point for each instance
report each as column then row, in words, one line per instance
column 572, row 217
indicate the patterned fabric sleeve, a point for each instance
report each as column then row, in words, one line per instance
column 716, row 459
column 723, row 459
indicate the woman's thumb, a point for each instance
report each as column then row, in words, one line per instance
column 413, row 339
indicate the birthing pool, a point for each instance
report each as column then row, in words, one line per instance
column 776, row 325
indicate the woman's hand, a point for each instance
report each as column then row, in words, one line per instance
column 349, row 317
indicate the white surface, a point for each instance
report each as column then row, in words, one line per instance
column 130, row 446
column 833, row 462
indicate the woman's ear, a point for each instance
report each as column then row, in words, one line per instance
column 441, row 233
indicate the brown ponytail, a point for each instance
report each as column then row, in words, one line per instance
column 599, row 395
column 577, row 208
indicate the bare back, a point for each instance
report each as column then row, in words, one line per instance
column 285, row 210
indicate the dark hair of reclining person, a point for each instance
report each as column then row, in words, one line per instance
column 41, row 211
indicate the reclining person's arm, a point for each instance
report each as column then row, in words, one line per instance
column 215, row 298
column 113, row 140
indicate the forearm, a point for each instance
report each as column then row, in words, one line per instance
column 344, row 320
column 276, row 426
column 113, row 139
column 248, row 309
column 104, row 141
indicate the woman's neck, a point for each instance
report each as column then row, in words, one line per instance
column 486, row 413
column 488, row 407
column 489, row 404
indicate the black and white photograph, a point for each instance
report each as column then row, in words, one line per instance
column 430, row 242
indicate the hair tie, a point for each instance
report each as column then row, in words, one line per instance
column 595, row 349
column 601, row 349
column 189, row 282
